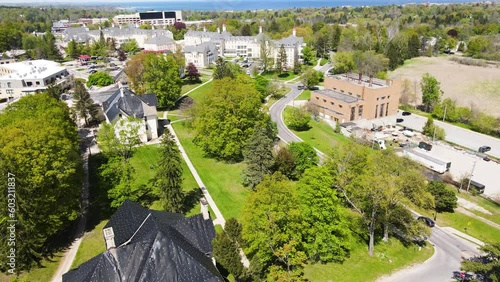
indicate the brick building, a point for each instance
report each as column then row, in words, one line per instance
column 349, row 97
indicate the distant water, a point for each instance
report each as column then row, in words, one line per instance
column 228, row 5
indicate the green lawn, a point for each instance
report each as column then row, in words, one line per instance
column 388, row 257
column 305, row 95
column 201, row 91
column 428, row 115
column 489, row 205
column 144, row 162
column 283, row 77
column 469, row 225
column 42, row 274
column 320, row 135
column 222, row 180
column 92, row 245
column 188, row 86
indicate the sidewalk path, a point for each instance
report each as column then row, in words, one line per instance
column 219, row 218
column 69, row 255
column 468, row 213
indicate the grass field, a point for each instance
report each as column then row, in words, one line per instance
column 283, row 77
column 222, row 180
column 92, row 245
column 188, row 86
column 388, row 257
column 305, row 95
column 42, row 274
column 321, row 135
column 489, row 205
column 469, row 225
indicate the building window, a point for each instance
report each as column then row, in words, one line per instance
column 386, row 109
column 353, row 112
column 381, row 110
column 340, row 106
column 360, row 111
column 324, row 100
column 37, row 82
column 350, row 93
column 388, row 97
column 332, row 103
column 9, row 85
column 383, row 98
column 9, row 91
column 29, row 83
column 378, row 99
column 376, row 111
column 317, row 98
column 342, row 91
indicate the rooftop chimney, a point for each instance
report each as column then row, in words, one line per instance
column 218, row 29
column 109, row 237
column 223, row 26
column 204, row 208
column 260, row 28
column 294, row 32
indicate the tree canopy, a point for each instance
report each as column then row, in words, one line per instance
column 39, row 149
column 431, row 91
column 99, row 79
column 226, row 118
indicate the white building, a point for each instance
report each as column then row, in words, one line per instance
column 119, row 34
column 245, row 46
column 201, row 55
column 28, row 77
column 162, row 18
column 124, row 104
column 160, row 43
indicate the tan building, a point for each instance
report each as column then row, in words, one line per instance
column 348, row 98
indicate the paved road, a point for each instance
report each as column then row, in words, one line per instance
column 442, row 265
column 455, row 134
column 276, row 111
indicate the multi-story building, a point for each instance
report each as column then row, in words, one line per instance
column 28, row 77
column 153, row 18
column 246, row 46
column 351, row 97
column 119, row 34
column 201, row 55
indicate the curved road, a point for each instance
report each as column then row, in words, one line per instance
column 448, row 248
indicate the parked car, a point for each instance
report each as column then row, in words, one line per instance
column 408, row 133
column 92, row 71
column 406, row 113
column 399, row 120
column 484, row 149
column 301, row 87
column 427, row 221
column 424, row 145
column 313, row 88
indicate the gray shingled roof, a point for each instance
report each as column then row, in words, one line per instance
column 130, row 104
column 337, row 95
column 160, row 40
column 163, row 247
column 205, row 46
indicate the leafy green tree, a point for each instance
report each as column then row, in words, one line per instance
column 326, row 234
column 284, row 162
column 130, row 47
column 83, row 105
column 343, row 62
column 271, row 225
column 100, row 79
column 39, row 153
column 226, row 118
column 310, row 78
column 245, row 30
column 432, row 130
column 135, row 69
column 488, row 264
column 225, row 69
column 233, row 229
column 258, row 155
column 308, row 55
column 265, row 53
column 119, row 174
column 262, row 85
column 119, row 139
column 54, row 91
column 444, row 198
column 281, row 60
column 477, row 45
column 451, row 114
column 431, row 91
column 335, row 37
column 304, row 157
column 226, row 253
column 168, row 179
column 397, row 51
column 298, row 119
column 485, row 123
column 161, row 74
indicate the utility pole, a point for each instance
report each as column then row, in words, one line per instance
column 471, row 174
column 434, row 134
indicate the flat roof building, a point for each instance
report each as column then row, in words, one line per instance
column 28, row 77
column 151, row 17
column 349, row 97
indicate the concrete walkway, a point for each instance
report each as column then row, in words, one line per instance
column 69, row 255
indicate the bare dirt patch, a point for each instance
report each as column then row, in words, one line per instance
column 467, row 85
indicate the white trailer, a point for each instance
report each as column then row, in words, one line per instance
column 427, row 160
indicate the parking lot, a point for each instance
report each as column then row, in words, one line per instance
column 464, row 162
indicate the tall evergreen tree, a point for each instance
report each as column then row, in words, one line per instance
column 258, row 155
column 226, row 252
column 169, row 179
column 281, row 60
column 413, row 45
column 84, row 105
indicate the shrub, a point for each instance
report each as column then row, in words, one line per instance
column 100, row 79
